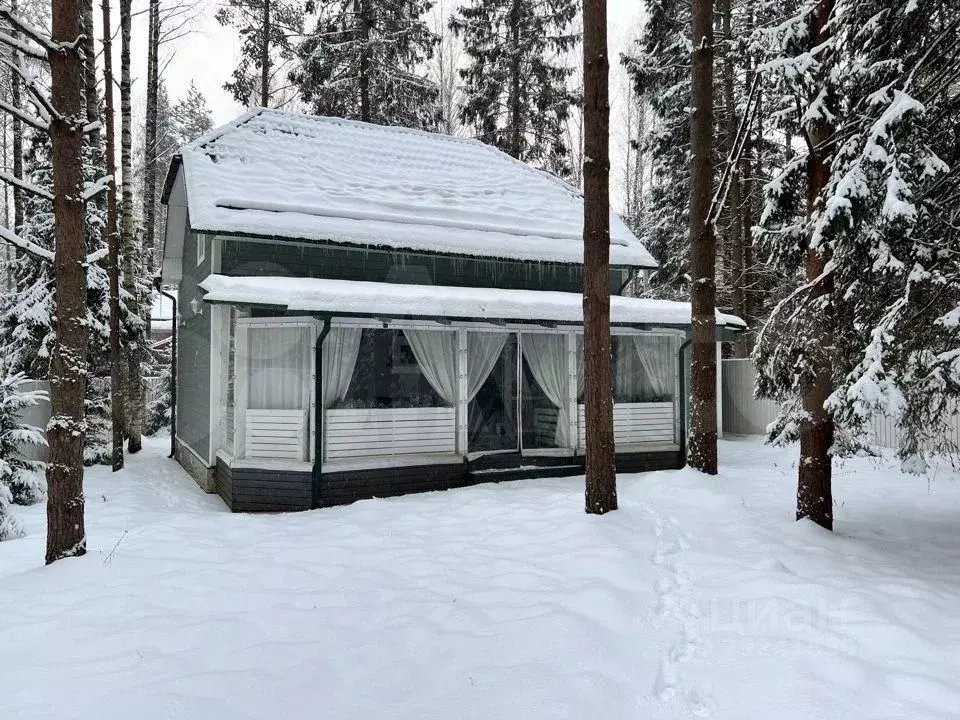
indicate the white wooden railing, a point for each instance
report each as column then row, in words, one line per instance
column 635, row 423
column 380, row 432
column 278, row 434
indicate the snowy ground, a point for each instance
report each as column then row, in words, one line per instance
column 699, row 598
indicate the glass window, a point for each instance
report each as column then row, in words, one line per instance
column 492, row 413
column 387, row 374
column 644, row 368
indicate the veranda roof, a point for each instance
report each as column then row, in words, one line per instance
column 374, row 299
column 281, row 174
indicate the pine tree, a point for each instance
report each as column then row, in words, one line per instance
column 659, row 68
column 864, row 213
column 21, row 481
column 266, row 29
column 364, row 61
column 516, row 94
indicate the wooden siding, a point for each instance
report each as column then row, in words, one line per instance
column 275, row 434
column 635, row 423
column 264, row 489
column 342, row 488
column 388, row 432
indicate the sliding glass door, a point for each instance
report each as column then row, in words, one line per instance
column 494, row 391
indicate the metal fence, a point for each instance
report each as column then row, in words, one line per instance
column 743, row 414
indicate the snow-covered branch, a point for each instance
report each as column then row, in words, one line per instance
column 95, row 188
column 31, row 31
column 96, row 256
column 24, row 185
column 27, row 246
column 23, row 46
column 31, row 120
column 43, row 103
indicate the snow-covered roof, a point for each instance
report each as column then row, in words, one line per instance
column 354, row 298
column 282, row 174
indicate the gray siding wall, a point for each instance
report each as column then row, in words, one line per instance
column 193, row 344
column 246, row 256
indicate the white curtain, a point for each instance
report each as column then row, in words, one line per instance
column 278, row 368
column 338, row 358
column 546, row 356
column 436, row 354
column 483, row 351
column 658, row 359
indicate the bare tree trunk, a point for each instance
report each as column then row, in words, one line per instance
column 516, row 125
column 601, row 483
column 703, row 368
column 91, row 96
column 133, row 383
column 17, row 139
column 264, row 57
column 814, row 482
column 66, row 432
column 737, row 276
column 149, row 206
column 116, row 356
column 366, row 60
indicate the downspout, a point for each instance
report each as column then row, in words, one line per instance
column 173, row 372
column 318, row 405
column 683, row 400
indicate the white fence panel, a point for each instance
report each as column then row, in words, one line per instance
column 378, row 432
column 38, row 416
column 277, row 434
column 744, row 414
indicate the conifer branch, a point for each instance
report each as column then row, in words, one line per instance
column 24, row 47
column 26, row 186
column 31, row 248
column 31, row 120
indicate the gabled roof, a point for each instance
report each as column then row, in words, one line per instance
column 280, row 174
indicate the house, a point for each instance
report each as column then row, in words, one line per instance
column 367, row 311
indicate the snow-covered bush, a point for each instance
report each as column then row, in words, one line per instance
column 21, row 481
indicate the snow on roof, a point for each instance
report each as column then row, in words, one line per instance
column 348, row 297
column 275, row 173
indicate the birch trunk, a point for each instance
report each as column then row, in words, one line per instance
column 133, row 382
column 814, row 482
column 66, row 431
column 601, row 480
column 91, row 96
column 702, row 453
column 113, row 241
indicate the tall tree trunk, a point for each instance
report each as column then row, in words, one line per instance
column 814, row 483
column 703, row 368
column 133, row 382
column 737, row 276
column 515, row 128
column 366, row 60
column 66, row 535
column 113, row 241
column 91, row 96
column 149, row 205
column 17, row 139
column 265, row 57
column 601, row 483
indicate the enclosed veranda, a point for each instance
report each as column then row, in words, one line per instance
column 323, row 401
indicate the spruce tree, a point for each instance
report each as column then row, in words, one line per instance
column 874, row 324
column 516, row 81
column 365, row 61
column 190, row 117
